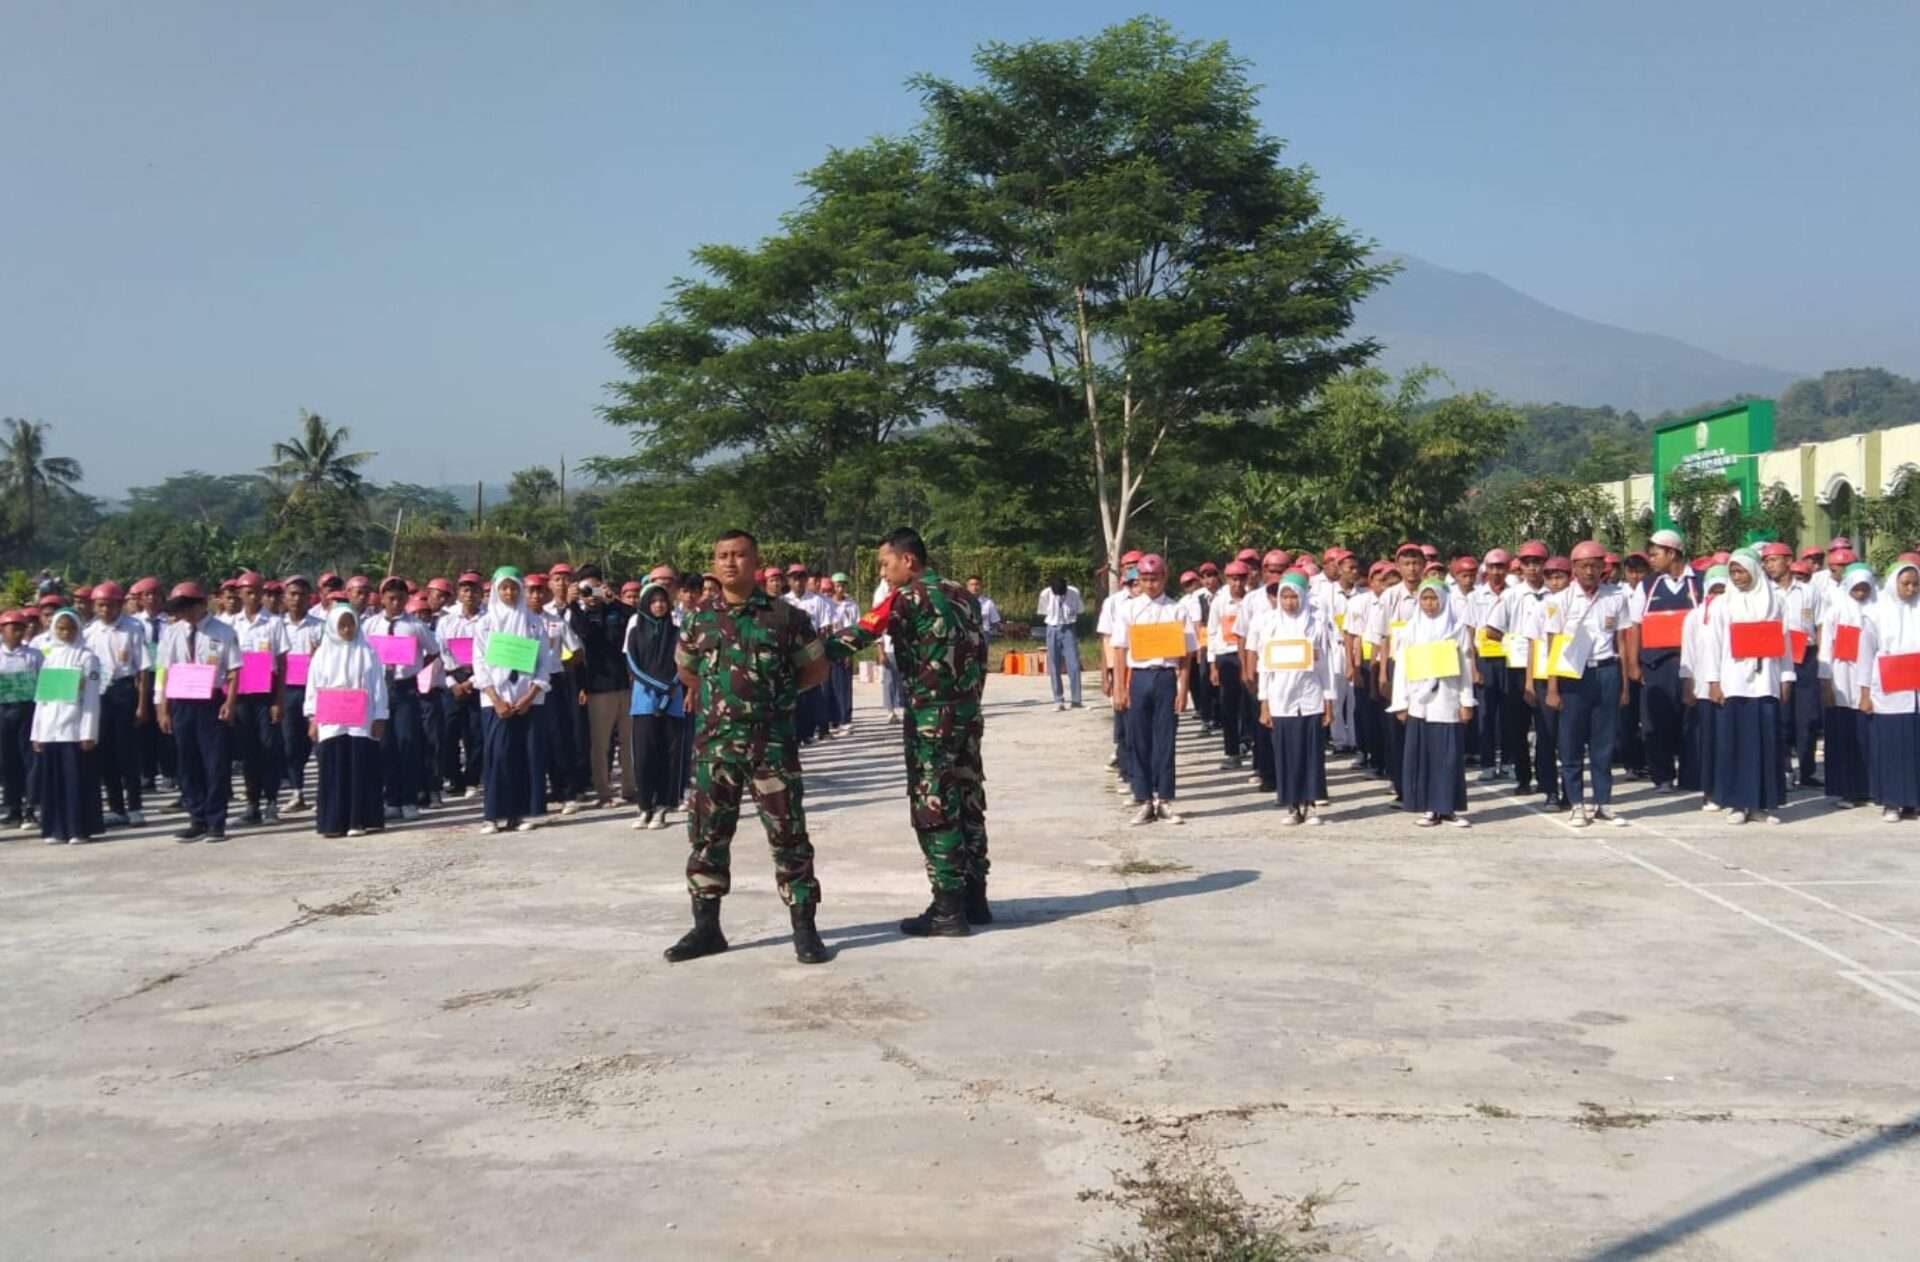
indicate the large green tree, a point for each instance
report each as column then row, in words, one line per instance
column 31, row 480
column 1137, row 253
column 785, row 377
column 315, row 460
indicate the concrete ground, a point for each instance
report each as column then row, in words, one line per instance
column 1517, row 1041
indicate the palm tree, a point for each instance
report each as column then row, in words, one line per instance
column 316, row 458
column 29, row 477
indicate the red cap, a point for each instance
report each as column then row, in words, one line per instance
column 1189, row 576
column 1839, row 541
column 1562, row 564
column 1775, row 549
column 108, row 590
column 1208, row 567
column 1497, row 556
column 246, row 578
column 327, row 576
column 185, row 591
column 1908, row 558
column 291, row 579
column 1813, row 553
column 1721, row 557
column 1844, row 556
column 533, row 580
column 440, row 585
column 772, row 571
column 1277, row 557
column 393, row 582
column 1382, row 567
column 1430, row 552
column 1535, row 549
column 359, row 583
column 1802, row 567
column 1588, row 550
column 1434, row 567
column 1249, row 555
column 227, row 584
column 470, row 576
column 1128, row 558
column 52, row 600
column 560, row 567
column 1612, row 559
column 83, row 593
column 1409, row 546
column 144, row 585
column 633, row 585
column 796, row 568
column 1701, row 564
column 14, row 616
column 412, row 587
column 1465, row 565
column 1152, row 563
column 1238, row 569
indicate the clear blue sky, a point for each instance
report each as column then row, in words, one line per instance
column 422, row 220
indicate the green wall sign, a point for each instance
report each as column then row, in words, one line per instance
column 1724, row 442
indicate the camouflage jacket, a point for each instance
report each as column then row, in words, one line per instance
column 938, row 645
column 748, row 659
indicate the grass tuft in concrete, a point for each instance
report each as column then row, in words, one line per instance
column 1187, row 1210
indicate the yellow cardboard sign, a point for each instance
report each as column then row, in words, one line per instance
column 1147, row 641
column 1436, row 659
column 1488, row 647
column 1366, row 650
column 1287, row 654
column 1340, row 622
column 1556, row 652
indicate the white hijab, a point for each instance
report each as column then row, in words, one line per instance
column 1848, row 612
column 1896, row 622
column 340, row 662
column 1760, row 602
column 66, row 654
column 1427, row 628
column 510, row 618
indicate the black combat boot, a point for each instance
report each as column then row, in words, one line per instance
column 704, row 938
column 978, row 913
column 807, row 946
column 945, row 917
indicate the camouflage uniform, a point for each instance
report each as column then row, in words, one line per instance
column 942, row 657
column 748, row 659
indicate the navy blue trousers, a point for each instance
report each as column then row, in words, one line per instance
column 119, row 748
column 558, row 714
column 204, row 747
column 1589, row 723
column 293, row 738
column 1490, row 715
column 262, row 764
column 461, row 758
column 400, row 747
column 513, row 765
column 16, row 756
column 1660, row 714
column 1229, row 707
column 1516, row 718
column 69, row 791
column 1150, row 732
column 347, row 792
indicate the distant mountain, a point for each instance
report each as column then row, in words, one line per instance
column 1486, row 335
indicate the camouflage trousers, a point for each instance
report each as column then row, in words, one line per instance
column 947, row 793
column 728, row 763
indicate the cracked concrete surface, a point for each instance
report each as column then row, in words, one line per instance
column 1518, row 1041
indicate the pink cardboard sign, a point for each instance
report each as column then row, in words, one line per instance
column 394, row 650
column 429, row 677
column 256, row 673
column 462, row 649
column 190, row 681
column 297, row 666
column 346, row 707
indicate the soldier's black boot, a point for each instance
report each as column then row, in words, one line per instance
column 978, row 912
column 945, row 917
column 807, row 946
column 704, row 938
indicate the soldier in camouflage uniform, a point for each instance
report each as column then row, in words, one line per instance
column 745, row 658
column 941, row 652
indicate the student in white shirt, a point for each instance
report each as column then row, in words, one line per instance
column 459, row 745
column 65, row 734
column 1595, row 615
column 558, row 710
column 1843, row 724
column 1800, row 717
column 1059, row 610
column 1749, row 775
column 402, row 747
column 1393, row 612
column 1893, row 630
column 1296, row 697
column 1521, row 594
column 347, row 788
column 1437, row 710
column 1487, row 615
column 1151, row 692
column 257, row 711
column 1225, row 631
column 1121, row 763
column 842, row 613
column 305, row 632
column 119, row 643
column 514, row 762
column 202, row 728
column 20, row 666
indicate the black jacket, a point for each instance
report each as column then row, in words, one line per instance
column 603, row 640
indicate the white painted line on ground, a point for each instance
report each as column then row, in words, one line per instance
column 1867, row 978
column 1725, row 885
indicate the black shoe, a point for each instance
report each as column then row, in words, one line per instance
column 252, row 816
column 978, row 912
column 704, row 938
column 945, row 917
column 217, row 832
column 1813, row 782
column 807, row 946
column 192, row 832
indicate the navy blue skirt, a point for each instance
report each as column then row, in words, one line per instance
column 1299, row 760
column 1747, row 772
column 1845, row 737
column 69, row 786
column 349, row 789
column 1893, row 750
column 1433, row 776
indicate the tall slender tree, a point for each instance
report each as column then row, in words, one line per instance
column 316, row 459
column 30, row 478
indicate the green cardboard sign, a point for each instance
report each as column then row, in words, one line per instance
column 513, row 652
column 16, row 685
column 58, row 683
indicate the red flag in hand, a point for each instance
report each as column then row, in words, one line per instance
column 875, row 623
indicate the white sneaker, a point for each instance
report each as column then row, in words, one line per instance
column 393, row 812
column 1291, row 819
column 1888, row 816
column 1735, row 815
column 642, row 821
column 1604, row 816
column 1459, row 821
column 1426, row 821
column 1311, row 820
column 61, row 841
column 78, row 841
column 1253, row 779
column 115, row 819
column 1124, row 789
column 409, row 812
column 27, row 825
column 1577, row 817
column 1772, row 818
column 489, row 828
column 299, row 803
column 473, row 791
column 1144, row 815
column 356, row 832
column 1061, row 706
column 1706, row 804
column 569, row 808
column 525, row 826
column 659, row 821
column 136, row 818
column 1166, row 816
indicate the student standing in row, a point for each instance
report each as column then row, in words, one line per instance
column 1391, row 614
column 348, row 782
column 1122, row 591
column 1661, row 602
column 1702, row 715
column 558, row 708
column 1893, row 740
column 1059, row 610
column 119, row 644
column 1749, row 685
column 257, row 709
column 460, row 757
column 1224, row 632
column 65, row 733
column 202, row 727
column 1844, row 723
column 19, row 669
column 1151, row 691
column 1436, row 708
column 513, row 760
column 1487, row 615
column 305, row 632
column 1296, row 698
column 658, row 705
column 402, row 746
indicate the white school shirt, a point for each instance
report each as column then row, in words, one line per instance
column 1398, row 603
column 1442, row 704
column 537, row 681
column 1802, row 609
column 1360, row 611
column 845, row 612
column 425, row 646
column 63, row 721
column 1143, row 611
column 24, row 660
column 1738, row 677
column 212, row 643
column 456, row 624
column 1846, row 677
column 1224, row 603
column 559, row 633
column 260, row 633
column 372, row 681
column 990, row 619
column 1488, row 608
column 1293, row 694
column 1110, row 612
column 1060, row 611
column 1603, row 613
column 304, row 635
column 120, row 646
column 1890, row 628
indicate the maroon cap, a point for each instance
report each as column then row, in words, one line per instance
column 1208, row 567
column 440, row 585
column 1152, row 563
column 1275, row 559
column 470, row 576
column 1188, row 576
column 246, row 578
column 1498, row 556
column 187, row 591
column 560, row 567
column 108, row 590
column 533, row 580
column 52, row 600
column 144, row 585
column 1409, row 547
column 1775, row 549
column 1237, row 569
column 1247, row 554
column 393, row 582
column 1130, row 556
column 1533, row 549
column 1561, row 564
column 15, row 616
column 1588, row 550
column 1465, row 565
column 291, row 579
column 83, row 593
column 359, row 583
column 796, row 568
column 1802, row 567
